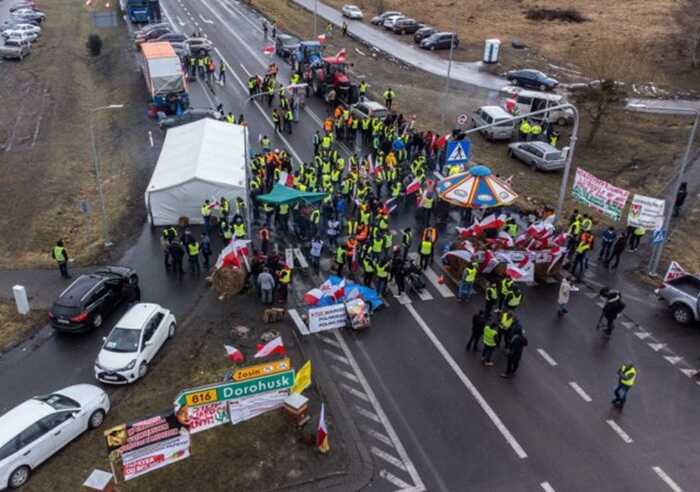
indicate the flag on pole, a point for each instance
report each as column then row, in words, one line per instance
column 233, row 354
column 322, row 433
column 523, row 271
column 269, row 50
column 674, row 271
column 413, row 186
column 274, row 346
column 302, row 380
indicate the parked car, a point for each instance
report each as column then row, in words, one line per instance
column 405, row 26
column 440, row 40
column 370, row 109
column 285, row 45
column 152, row 35
column 15, row 49
column 389, row 21
column 28, row 28
column 529, row 101
column 24, row 5
column 173, row 37
column 20, row 19
column 379, row 20
column 487, row 115
column 682, row 295
column 180, row 49
column 199, row 46
column 531, row 78
column 91, row 298
column 23, row 37
column 188, row 116
column 352, row 12
column 30, row 14
column 37, row 429
column 540, row 155
column 423, row 33
column 133, row 343
column 149, row 27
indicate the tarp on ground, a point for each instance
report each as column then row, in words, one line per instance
column 336, row 289
column 281, row 194
column 204, row 160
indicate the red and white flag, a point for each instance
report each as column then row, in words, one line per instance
column 336, row 291
column 674, row 271
column 489, row 262
column 274, row 346
column 322, row 433
column 505, row 239
column 492, row 222
column 523, row 271
column 286, row 179
column 321, row 38
column 228, row 256
column 312, row 297
column 269, row 50
column 233, row 354
column 413, row 186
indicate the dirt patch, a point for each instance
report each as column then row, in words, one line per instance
column 47, row 102
column 14, row 327
column 264, row 453
column 547, row 14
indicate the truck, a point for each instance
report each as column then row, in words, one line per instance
column 682, row 295
column 165, row 79
column 141, row 11
column 324, row 73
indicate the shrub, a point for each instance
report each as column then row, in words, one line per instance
column 94, row 44
column 564, row 15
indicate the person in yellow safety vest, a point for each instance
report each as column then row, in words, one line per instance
column 580, row 262
column 466, row 284
column 553, row 138
column 205, row 209
column 252, row 85
column 193, row 256
column 491, row 297
column 284, row 278
column 426, row 253
column 627, row 376
column 587, row 223
column 345, row 187
column 524, row 131
column 335, row 176
column 288, row 120
column 364, row 215
column 315, row 219
column 505, row 288
column 512, row 228
column 637, row 235
column 381, row 269
column 295, row 78
column 505, row 322
column 396, row 189
column 226, row 232
column 383, row 223
column 230, row 118
column 351, row 226
column 282, row 216
column 406, row 241
column 535, row 131
column 377, row 244
column 326, row 167
column 368, row 270
column 239, row 229
column 224, row 208
column 388, row 240
column 427, row 205
column 340, row 257
column 575, row 227
column 363, row 89
column 59, row 254
column 514, row 298
column 490, row 341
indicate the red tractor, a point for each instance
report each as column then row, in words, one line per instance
column 326, row 73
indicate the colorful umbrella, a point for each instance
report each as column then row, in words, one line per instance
column 476, row 188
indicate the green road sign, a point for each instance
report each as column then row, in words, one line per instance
column 235, row 389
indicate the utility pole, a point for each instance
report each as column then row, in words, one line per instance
column 446, row 95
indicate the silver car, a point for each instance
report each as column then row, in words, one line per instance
column 682, row 295
column 540, row 155
column 16, row 49
column 352, row 12
column 371, row 109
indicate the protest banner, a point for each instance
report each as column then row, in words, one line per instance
column 155, row 456
column 327, row 318
column 243, row 409
column 205, row 417
column 646, row 212
column 599, row 194
column 674, row 271
column 135, row 435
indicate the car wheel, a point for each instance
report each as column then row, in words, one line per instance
column 97, row 321
column 143, row 369
column 681, row 314
column 561, row 122
column 171, row 331
column 96, row 419
column 19, row 477
column 543, row 87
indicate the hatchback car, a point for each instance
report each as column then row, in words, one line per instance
column 133, row 343
column 423, row 33
column 21, row 36
column 188, row 116
column 540, row 155
column 285, row 45
column 15, row 49
column 199, row 46
column 389, row 21
column 152, row 35
column 379, row 20
column 28, row 28
column 371, row 109
column 405, row 26
column 351, row 12
column 90, row 298
column 440, row 40
column 173, row 37
column 531, row 78
column 30, row 14
column 35, row 430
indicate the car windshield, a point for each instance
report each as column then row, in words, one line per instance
column 123, row 340
column 553, row 156
column 58, row 402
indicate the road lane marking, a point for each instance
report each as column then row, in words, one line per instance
column 689, row 372
column 366, row 413
column 392, row 460
column 642, row 334
column 150, row 137
column 394, row 480
column 377, row 435
column 301, row 326
column 580, row 392
column 495, row 419
column 300, row 258
column 335, row 356
column 546, row 487
column 444, row 290
column 345, row 374
column 673, row 359
column 667, row 480
column 403, row 298
column 354, row 392
column 235, row 35
column 656, row 346
column 247, row 72
column 547, row 357
column 329, row 341
column 180, row 21
column 206, row 21
column 618, row 430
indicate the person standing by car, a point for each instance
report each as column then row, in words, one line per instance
column 60, row 254
column 389, row 96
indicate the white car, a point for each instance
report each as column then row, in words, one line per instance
column 38, row 428
column 389, row 21
column 21, row 36
column 351, row 12
column 133, row 343
column 19, row 28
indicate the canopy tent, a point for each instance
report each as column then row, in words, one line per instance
column 199, row 161
column 476, row 188
column 281, row 194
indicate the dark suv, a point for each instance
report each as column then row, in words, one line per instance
column 423, row 33
column 405, row 26
column 92, row 297
column 439, row 40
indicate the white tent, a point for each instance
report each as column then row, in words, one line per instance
column 199, row 161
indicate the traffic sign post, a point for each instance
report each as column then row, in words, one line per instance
column 462, row 120
column 458, row 151
column 659, row 236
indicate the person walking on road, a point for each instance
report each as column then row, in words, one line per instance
column 491, row 297
column 611, row 310
column 205, row 244
column 344, row 29
column 479, row 321
column 60, row 254
column 606, row 243
column 177, row 253
column 626, row 377
column 518, row 342
column 617, row 249
column 222, row 72
column 426, row 253
column 315, row 253
column 490, row 340
column 389, row 96
column 264, row 28
column 565, row 290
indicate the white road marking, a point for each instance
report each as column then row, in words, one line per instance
column 301, row 326
column 495, row 419
column 547, row 357
column 546, row 487
column 354, row 392
column 235, row 35
column 377, row 435
column 628, row 324
column 329, row 341
column 580, row 392
column 656, row 346
column 403, row 298
column 366, row 413
column 300, row 258
column 392, row 460
column 150, row 137
column 245, row 70
column 618, row 430
column 591, row 295
column 180, row 21
column 425, row 295
column 667, row 480
column 689, row 372
column 444, row 290
column 642, row 334
column 335, row 356
column 345, row 374
column 394, row 480
column 673, row 359
column 289, row 257
column 206, row 21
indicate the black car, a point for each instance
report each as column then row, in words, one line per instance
column 379, row 20
column 531, row 78
column 188, row 116
column 285, row 45
column 440, row 40
column 423, row 33
column 406, row 26
column 92, row 297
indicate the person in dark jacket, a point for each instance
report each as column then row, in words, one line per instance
column 606, row 243
column 518, row 342
column 617, row 250
column 611, row 310
column 479, row 320
column 177, row 253
column 680, row 198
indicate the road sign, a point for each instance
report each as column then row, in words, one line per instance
column 659, row 236
column 462, row 119
column 236, row 389
column 259, row 370
column 458, row 151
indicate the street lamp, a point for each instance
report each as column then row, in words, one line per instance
column 98, row 180
column 658, row 249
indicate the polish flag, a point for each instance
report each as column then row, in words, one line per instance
column 492, row 222
column 413, row 186
column 559, row 239
column 341, row 56
column 286, row 179
column 540, row 230
column 274, row 346
column 241, row 246
column 505, row 239
column 233, row 354
column 322, row 433
column 460, row 253
column 489, row 263
column 387, row 208
column 313, row 297
column 523, row 271
column 228, row 256
column 336, row 291
column 269, row 50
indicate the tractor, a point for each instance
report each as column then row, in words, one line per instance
column 325, row 73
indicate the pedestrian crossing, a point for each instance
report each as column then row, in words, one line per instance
column 434, row 288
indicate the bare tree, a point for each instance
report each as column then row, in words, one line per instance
column 688, row 18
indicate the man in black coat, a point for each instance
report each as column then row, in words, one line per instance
column 518, row 342
column 478, row 322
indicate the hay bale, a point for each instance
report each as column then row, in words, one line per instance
column 229, row 280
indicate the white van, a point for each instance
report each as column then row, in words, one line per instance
column 529, row 101
column 487, row 115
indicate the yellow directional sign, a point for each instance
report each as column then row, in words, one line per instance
column 264, row 369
